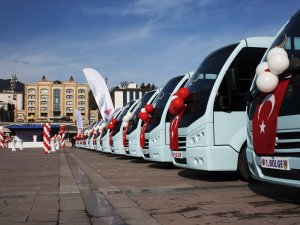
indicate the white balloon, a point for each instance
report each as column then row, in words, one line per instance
column 130, row 115
column 266, row 82
column 143, row 110
column 276, row 50
column 278, row 63
column 103, row 125
column 125, row 124
column 125, row 118
column 261, row 68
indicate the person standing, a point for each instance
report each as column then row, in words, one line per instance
column 73, row 142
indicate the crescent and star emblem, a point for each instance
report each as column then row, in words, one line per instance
column 271, row 98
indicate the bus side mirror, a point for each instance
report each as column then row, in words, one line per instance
column 232, row 79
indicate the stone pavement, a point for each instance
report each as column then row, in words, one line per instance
column 75, row 186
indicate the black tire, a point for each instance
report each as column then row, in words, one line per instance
column 243, row 168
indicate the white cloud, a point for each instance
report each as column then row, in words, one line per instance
column 157, row 7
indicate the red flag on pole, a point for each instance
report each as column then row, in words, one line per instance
column 265, row 119
column 143, row 132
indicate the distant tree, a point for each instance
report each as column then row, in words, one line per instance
column 148, row 86
column 153, row 87
column 143, row 86
column 124, row 84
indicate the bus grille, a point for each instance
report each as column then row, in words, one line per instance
column 284, row 174
column 288, row 140
column 146, row 144
column 182, row 143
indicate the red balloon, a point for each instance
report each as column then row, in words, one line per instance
column 114, row 121
column 111, row 126
column 139, row 114
column 183, row 93
column 144, row 116
column 178, row 104
column 149, row 108
column 172, row 110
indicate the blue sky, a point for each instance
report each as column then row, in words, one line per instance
column 126, row 40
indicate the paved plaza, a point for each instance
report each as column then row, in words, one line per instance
column 76, row 186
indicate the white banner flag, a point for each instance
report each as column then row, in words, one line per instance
column 100, row 92
column 79, row 122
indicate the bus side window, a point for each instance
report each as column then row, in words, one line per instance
column 245, row 64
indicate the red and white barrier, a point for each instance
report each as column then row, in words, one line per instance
column 46, row 137
column 57, row 141
column 1, row 137
column 63, row 133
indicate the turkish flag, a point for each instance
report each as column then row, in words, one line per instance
column 143, row 131
column 111, row 138
column 264, row 122
column 174, row 130
column 124, row 136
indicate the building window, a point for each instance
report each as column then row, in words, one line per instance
column 31, row 91
column 31, row 96
column 31, row 103
column 137, row 94
column 124, row 98
column 81, row 108
column 44, row 108
column 31, row 108
column 44, row 91
column 69, row 91
column 69, row 109
column 81, row 97
column 81, row 91
column 81, row 103
column 69, row 103
column 44, row 102
column 44, row 97
column 44, row 114
column 131, row 95
column 69, row 96
column 56, row 100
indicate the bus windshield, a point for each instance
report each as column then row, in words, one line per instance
column 201, row 84
column 120, row 117
column 114, row 115
column 289, row 39
column 161, row 101
column 135, row 119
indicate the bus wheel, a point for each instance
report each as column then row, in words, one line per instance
column 243, row 167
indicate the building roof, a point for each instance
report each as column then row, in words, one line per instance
column 44, row 78
column 56, row 82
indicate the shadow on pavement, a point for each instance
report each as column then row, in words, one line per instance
column 140, row 160
column 213, row 176
column 276, row 192
column 163, row 165
column 124, row 157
